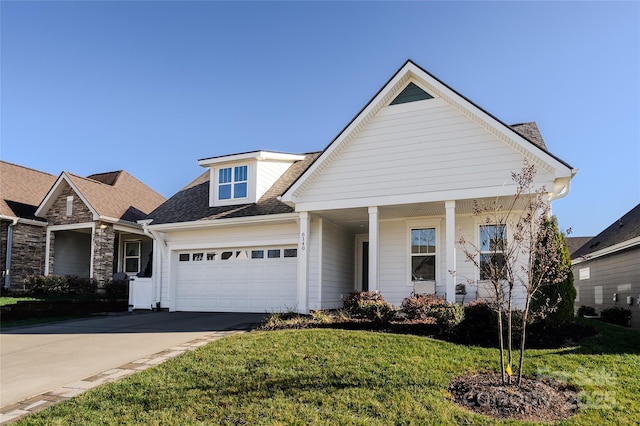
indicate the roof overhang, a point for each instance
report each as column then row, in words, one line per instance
column 633, row 242
column 250, row 156
column 218, row 223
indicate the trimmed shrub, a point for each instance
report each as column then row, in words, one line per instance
column 586, row 311
column 117, row 288
column 369, row 305
column 39, row 285
column 479, row 324
column 81, row 286
column 421, row 306
column 616, row 315
column 449, row 315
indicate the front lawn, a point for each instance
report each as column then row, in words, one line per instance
column 324, row 376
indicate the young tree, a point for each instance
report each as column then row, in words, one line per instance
column 517, row 256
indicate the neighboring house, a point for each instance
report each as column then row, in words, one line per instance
column 575, row 243
column 22, row 234
column 607, row 268
column 380, row 208
column 80, row 226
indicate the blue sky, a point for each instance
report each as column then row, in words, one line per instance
column 151, row 87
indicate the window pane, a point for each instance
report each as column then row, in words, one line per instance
column 224, row 175
column 423, row 268
column 492, row 237
column 240, row 190
column 290, row 252
column 423, row 240
column 131, row 265
column 132, row 249
column 492, row 266
column 273, row 254
column 184, row 257
column 226, row 255
column 240, row 174
column 257, row 254
column 198, row 257
column 224, row 192
column 211, row 256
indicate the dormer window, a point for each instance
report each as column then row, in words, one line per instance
column 232, row 182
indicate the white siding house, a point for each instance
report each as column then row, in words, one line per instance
column 381, row 208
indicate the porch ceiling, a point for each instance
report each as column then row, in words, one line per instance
column 357, row 220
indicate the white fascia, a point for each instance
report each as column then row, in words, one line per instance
column 21, row 220
column 214, row 223
column 254, row 155
column 53, row 194
column 608, row 250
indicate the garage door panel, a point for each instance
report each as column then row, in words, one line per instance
column 242, row 284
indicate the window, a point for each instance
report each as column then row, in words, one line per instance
column 423, row 254
column 226, row 255
column 290, row 252
column 232, row 182
column 257, row 254
column 273, row 254
column 197, row 257
column 211, row 256
column 493, row 240
column 184, row 257
column 132, row 257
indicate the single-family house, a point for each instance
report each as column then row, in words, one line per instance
column 83, row 226
column 22, row 233
column 606, row 269
column 380, row 208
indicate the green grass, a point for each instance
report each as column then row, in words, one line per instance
column 330, row 377
column 5, row 300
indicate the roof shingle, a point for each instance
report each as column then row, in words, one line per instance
column 22, row 189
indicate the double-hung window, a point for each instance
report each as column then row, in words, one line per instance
column 423, row 254
column 232, row 182
column 493, row 240
column 132, row 257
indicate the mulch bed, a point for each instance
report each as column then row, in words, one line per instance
column 534, row 400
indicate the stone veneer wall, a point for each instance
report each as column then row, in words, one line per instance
column 57, row 214
column 27, row 252
column 103, row 250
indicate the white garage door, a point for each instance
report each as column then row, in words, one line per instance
column 260, row 279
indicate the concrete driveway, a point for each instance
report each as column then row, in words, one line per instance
column 38, row 359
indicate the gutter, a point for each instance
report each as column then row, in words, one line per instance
column 7, row 272
column 157, row 264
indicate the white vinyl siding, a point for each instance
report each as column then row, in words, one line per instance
column 338, row 259
column 268, row 173
column 413, row 148
column 314, row 275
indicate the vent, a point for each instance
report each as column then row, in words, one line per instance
column 411, row 93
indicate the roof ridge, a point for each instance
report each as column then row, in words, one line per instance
column 27, row 168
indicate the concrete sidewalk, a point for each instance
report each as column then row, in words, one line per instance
column 42, row 365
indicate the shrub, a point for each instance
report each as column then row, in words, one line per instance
column 586, row 311
column 449, row 315
column 81, row 286
column 616, row 315
column 369, row 305
column 117, row 288
column 479, row 324
column 421, row 306
column 39, row 285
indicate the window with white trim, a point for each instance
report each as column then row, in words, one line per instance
column 132, row 257
column 493, row 240
column 423, row 254
column 233, row 182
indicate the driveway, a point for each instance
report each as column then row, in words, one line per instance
column 37, row 359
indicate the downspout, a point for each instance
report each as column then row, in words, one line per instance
column 7, row 274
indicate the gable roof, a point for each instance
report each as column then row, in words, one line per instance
column 575, row 243
column 623, row 230
column 112, row 196
column 524, row 137
column 191, row 203
column 22, row 189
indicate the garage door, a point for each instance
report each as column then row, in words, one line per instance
column 262, row 279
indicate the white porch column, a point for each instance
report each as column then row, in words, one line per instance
column 303, row 264
column 373, row 248
column 450, row 247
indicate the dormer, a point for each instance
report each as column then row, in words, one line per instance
column 244, row 178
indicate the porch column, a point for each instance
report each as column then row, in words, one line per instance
column 303, row 263
column 373, row 248
column 450, row 247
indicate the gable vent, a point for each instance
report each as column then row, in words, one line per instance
column 411, row 93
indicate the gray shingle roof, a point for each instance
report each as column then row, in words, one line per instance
column 623, row 229
column 530, row 132
column 191, row 203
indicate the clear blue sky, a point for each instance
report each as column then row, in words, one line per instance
column 150, row 87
